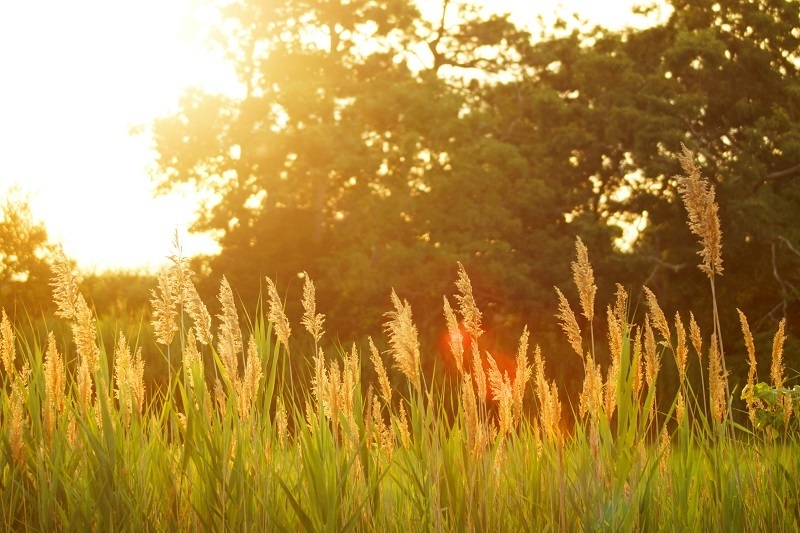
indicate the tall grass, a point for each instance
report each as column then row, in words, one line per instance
column 236, row 441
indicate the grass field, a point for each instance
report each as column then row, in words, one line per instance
column 237, row 441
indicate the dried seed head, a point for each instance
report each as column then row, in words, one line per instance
column 652, row 360
column 621, row 304
column 164, row 302
column 18, row 423
column 717, row 382
column 470, row 314
column 383, row 377
column 477, row 369
column 681, row 350
column 664, row 447
column 55, row 384
column 277, row 316
column 84, row 334
column 312, row 321
column 456, row 340
column 522, row 375
column 403, row 340
column 281, row 423
column 229, row 339
column 777, row 368
column 405, row 434
column 583, row 275
column 695, row 337
column 591, row 399
column 659, row 320
column 8, row 349
column 614, row 336
column 65, row 285
column 198, row 312
column 569, row 324
column 698, row 197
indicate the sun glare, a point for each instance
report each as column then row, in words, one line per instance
column 78, row 76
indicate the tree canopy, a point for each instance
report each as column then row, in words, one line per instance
column 372, row 147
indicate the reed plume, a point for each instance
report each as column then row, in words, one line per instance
column 403, row 340
column 470, row 315
column 583, row 275
column 312, row 321
column 456, row 339
column 229, row 339
column 65, row 285
column 698, row 197
column 383, row 377
column 657, row 316
column 8, row 349
column 277, row 315
column 477, row 369
column 198, row 312
column 55, row 384
column 18, row 424
column 247, row 387
column 777, row 368
column 717, row 382
column 569, row 324
column 522, row 374
column 164, row 302
column 681, row 350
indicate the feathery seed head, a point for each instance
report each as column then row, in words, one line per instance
column 777, row 368
column 403, row 340
column 470, row 314
column 583, row 275
column 698, row 197
column 8, row 349
column 681, row 350
column 312, row 321
column 164, row 302
column 456, row 340
column 717, row 382
column 652, row 360
column 229, row 340
column 695, row 337
column 277, row 315
column 383, row 377
column 84, row 334
column 621, row 304
column 65, row 285
column 198, row 312
column 522, row 374
column 477, row 369
column 659, row 320
column 569, row 324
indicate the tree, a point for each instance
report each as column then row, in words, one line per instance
column 25, row 254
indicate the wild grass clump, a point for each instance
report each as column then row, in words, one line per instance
column 236, row 441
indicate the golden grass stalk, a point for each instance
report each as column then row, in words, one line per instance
column 522, row 374
column 198, row 312
column 477, row 369
column 123, row 370
column 503, row 394
column 777, row 368
column 471, row 316
column 583, row 275
column 405, row 434
column 681, row 350
column 752, row 376
column 664, row 448
column 277, row 315
column 164, row 302
column 383, row 377
column 680, row 409
column 403, row 340
column 281, row 423
column 591, row 398
column 472, row 422
column 695, row 337
column 84, row 383
column 319, row 382
column 312, row 321
column 229, row 339
column 658, row 318
column 8, row 349
column 16, row 429
column 652, row 360
column 698, row 197
column 247, row 387
column 621, row 304
column 638, row 374
column 65, row 285
column 717, row 382
column 569, row 324
column 55, row 375
column 456, row 339
column 84, row 334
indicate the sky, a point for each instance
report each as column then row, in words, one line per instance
column 77, row 76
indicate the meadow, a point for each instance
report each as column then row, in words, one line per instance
column 240, row 439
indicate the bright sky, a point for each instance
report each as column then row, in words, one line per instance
column 77, row 75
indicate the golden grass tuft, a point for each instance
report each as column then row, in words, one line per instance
column 698, row 197
column 311, row 320
column 229, row 338
column 164, row 302
column 569, row 324
column 383, row 377
column 8, row 349
column 583, row 275
column 470, row 315
column 277, row 315
column 456, row 339
column 777, row 368
column 403, row 340
column 717, row 382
